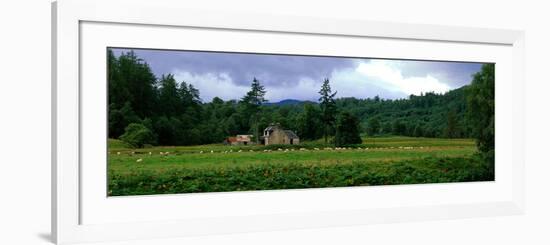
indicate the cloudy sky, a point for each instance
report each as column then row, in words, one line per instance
column 228, row 75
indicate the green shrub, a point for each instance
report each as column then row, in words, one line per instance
column 137, row 135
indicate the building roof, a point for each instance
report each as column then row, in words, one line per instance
column 243, row 137
column 291, row 134
column 273, row 126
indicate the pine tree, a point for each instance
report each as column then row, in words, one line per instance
column 308, row 123
column 347, row 130
column 169, row 97
column 252, row 103
column 328, row 109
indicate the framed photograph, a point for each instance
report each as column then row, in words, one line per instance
column 171, row 125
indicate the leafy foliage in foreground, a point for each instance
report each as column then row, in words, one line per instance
column 296, row 176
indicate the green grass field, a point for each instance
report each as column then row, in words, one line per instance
column 215, row 168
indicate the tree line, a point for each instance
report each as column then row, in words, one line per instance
column 145, row 109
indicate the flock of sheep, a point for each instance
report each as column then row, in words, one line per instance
column 166, row 153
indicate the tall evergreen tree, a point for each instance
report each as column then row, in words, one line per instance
column 347, row 130
column 252, row 103
column 169, row 99
column 135, row 83
column 309, row 123
column 132, row 93
column 328, row 109
column 481, row 109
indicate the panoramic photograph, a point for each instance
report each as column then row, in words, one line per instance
column 204, row 121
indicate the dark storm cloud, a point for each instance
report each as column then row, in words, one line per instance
column 228, row 75
column 272, row 70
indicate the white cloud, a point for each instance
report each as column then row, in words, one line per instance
column 211, row 85
column 391, row 78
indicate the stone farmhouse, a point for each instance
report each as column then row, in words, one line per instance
column 275, row 134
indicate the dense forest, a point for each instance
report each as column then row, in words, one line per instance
column 162, row 111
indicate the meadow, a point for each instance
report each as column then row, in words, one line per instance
column 220, row 168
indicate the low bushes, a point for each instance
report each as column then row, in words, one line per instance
column 295, row 176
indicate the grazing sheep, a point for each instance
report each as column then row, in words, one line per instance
column 211, row 151
column 200, row 152
column 265, row 150
column 251, row 150
column 316, row 148
column 150, row 153
column 240, row 150
column 139, row 160
column 279, row 149
column 118, row 152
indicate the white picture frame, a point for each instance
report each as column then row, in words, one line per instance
column 70, row 198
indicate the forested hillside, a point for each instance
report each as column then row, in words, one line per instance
column 170, row 112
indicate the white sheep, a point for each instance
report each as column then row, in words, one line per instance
column 139, row 160
column 240, row 150
column 150, row 153
column 118, row 152
column 201, row 152
column 211, row 151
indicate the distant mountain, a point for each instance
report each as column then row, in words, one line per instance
column 288, row 102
